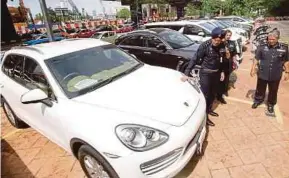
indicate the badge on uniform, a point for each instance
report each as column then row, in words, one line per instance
column 281, row 50
column 266, row 48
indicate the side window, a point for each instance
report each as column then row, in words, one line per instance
column 175, row 27
column 136, row 40
column 153, row 42
column 34, row 76
column 238, row 20
column 192, row 30
column 105, row 35
column 13, row 67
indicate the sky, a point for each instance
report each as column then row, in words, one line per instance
column 88, row 5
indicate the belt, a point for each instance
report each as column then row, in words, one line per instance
column 210, row 70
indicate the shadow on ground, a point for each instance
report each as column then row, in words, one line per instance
column 11, row 163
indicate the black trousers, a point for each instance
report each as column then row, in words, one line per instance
column 209, row 86
column 261, row 90
column 223, row 86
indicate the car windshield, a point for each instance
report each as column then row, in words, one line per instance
column 208, row 26
column 224, row 24
column 84, row 71
column 175, row 39
column 218, row 24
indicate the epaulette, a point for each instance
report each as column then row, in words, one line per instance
column 283, row 44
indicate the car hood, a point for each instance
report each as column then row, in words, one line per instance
column 150, row 92
column 193, row 47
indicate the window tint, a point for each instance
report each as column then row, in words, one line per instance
column 153, row 42
column 13, row 67
column 34, row 76
column 105, row 35
column 192, row 30
column 238, row 20
column 136, row 40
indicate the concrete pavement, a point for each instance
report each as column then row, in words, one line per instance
column 244, row 144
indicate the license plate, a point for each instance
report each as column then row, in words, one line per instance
column 201, row 141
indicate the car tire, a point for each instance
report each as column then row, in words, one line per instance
column 12, row 118
column 88, row 156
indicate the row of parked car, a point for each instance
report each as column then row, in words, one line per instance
column 108, row 107
column 63, row 33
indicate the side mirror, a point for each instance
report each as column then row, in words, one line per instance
column 201, row 34
column 33, row 96
column 161, row 47
column 133, row 56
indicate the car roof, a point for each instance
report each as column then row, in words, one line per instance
column 52, row 49
column 183, row 22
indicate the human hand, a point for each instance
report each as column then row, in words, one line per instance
column 184, row 78
column 222, row 76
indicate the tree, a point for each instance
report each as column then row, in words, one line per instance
column 191, row 10
column 39, row 16
column 123, row 13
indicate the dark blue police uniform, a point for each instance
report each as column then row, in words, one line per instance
column 208, row 57
column 271, row 61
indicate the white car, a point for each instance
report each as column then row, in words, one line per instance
column 117, row 116
column 236, row 32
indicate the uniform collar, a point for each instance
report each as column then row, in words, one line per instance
column 276, row 46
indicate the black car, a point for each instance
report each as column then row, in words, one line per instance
column 159, row 47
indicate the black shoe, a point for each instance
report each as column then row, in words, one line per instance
column 271, row 109
column 222, row 100
column 226, row 94
column 255, row 105
column 212, row 113
column 210, row 123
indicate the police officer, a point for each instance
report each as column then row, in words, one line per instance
column 208, row 57
column 227, row 65
column 270, row 61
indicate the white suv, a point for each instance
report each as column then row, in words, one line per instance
column 112, row 112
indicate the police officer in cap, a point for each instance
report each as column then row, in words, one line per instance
column 270, row 61
column 208, row 57
column 227, row 65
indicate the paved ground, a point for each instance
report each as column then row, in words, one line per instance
column 244, row 144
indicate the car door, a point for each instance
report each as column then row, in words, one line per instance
column 44, row 115
column 159, row 57
column 134, row 44
column 12, row 82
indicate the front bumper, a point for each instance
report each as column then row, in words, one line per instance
column 169, row 159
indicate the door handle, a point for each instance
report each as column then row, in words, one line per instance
column 147, row 52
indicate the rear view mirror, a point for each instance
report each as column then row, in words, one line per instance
column 201, row 34
column 33, row 96
column 161, row 47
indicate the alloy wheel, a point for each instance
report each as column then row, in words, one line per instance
column 94, row 169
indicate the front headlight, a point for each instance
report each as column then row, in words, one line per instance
column 140, row 138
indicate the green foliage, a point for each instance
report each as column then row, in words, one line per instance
column 191, row 10
column 123, row 13
column 239, row 7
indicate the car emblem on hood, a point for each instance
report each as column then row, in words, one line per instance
column 186, row 104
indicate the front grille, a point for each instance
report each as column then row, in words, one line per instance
column 158, row 164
